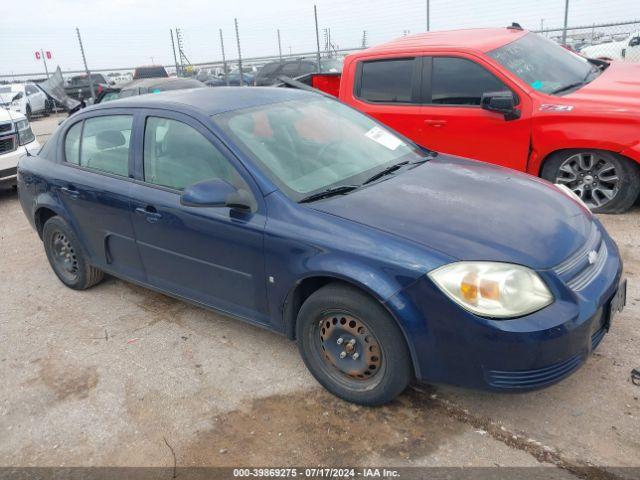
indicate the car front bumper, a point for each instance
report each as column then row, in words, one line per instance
column 9, row 162
column 452, row 346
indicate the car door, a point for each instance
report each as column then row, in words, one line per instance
column 213, row 256
column 453, row 121
column 35, row 97
column 94, row 187
column 631, row 52
column 388, row 89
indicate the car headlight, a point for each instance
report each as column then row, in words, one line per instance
column 25, row 134
column 493, row 289
column 571, row 194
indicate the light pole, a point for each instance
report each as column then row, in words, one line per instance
column 428, row 15
column 566, row 22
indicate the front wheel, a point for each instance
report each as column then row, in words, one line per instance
column 605, row 181
column 352, row 346
column 67, row 260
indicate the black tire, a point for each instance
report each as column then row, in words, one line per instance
column 73, row 270
column 626, row 170
column 28, row 112
column 326, row 308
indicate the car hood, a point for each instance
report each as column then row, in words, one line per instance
column 471, row 211
column 617, row 89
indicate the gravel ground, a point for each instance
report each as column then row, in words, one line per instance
column 119, row 375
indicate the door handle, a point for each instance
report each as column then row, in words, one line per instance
column 150, row 212
column 435, row 123
column 70, row 191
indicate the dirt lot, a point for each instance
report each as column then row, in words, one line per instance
column 118, row 375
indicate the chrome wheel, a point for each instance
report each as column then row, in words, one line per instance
column 592, row 177
column 349, row 346
column 64, row 256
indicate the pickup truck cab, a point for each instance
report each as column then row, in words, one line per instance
column 508, row 97
column 627, row 49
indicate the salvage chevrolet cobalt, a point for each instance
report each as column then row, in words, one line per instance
column 384, row 261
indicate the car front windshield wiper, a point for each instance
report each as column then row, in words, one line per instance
column 385, row 172
column 566, row 88
column 329, row 192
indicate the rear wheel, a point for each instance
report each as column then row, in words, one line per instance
column 67, row 260
column 352, row 346
column 606, row 182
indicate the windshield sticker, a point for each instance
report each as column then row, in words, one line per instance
column 548, row 107
column 384, row 138
column 537, row 85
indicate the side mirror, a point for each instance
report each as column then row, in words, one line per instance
column 216, row 193
column 500, row 102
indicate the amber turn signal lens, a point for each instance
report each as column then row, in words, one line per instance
column 469, row 287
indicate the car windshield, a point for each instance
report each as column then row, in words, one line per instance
column 544, row 64
column 308, row 146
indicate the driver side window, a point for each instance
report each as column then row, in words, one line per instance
column 176, row 156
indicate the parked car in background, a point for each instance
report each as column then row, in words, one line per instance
column 150, row 71
column 25, row 98
column 270, row 72
column 289, row 210
column 232, row 77
column 510, row 97
column 627, row 49
column 78, row 87
column 148, row 85
column 16, row 138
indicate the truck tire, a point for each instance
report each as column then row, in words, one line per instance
column 352, row 346
column 605, row 181
column 66, row 257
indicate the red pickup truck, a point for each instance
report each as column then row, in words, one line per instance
column 509, row 97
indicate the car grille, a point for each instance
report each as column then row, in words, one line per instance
column 6, row 127
column 7, row 144
column 526, row 379
column 579, row 270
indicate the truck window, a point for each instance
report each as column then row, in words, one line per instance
column 387, row 81
column 458, row 81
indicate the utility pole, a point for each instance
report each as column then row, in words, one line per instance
column 541, row 24
column 279, row 46
column 315, row 15
column 175, row 59
column 224, row 60
column 86, row 68
column 239, row 53
column 566, row 22
column 364, row 39
column 428, row 15
column 44, row 59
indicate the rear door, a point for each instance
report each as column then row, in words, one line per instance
column 213, row 256
column 453, row 121
column 388, row 89
column 94, row 186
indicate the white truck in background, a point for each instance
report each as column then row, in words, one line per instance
column 16, row 137
column 627, row 49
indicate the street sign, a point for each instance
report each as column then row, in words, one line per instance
column 37, row 55
column 48, row 54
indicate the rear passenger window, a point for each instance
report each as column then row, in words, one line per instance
column 105, row 144
column 72, row 144
column 387, row 80
column 176, row 156
column 457, row 81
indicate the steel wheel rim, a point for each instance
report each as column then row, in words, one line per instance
column 348, row 347
column 591, row 176
column 64, row 256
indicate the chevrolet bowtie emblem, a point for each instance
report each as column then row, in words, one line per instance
column 593, row 256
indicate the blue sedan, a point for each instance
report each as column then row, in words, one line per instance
column 289, row 210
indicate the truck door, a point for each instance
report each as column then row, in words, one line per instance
column 453, row 121
column 388, row 89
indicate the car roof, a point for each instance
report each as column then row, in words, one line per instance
column 211, row 101
column 158, row 81
column 479, row 39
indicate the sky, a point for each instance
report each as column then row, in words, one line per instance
column 126, row 33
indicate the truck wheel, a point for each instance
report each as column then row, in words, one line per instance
column 605, row 181
column 67, row 260
column 352, row 346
